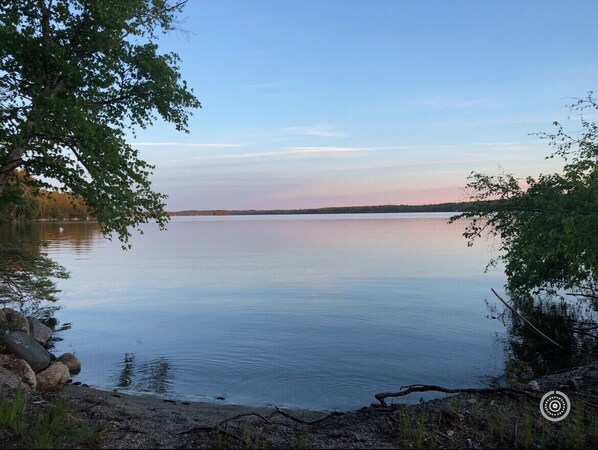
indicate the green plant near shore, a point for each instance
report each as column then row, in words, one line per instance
column 11, row 414
column 574, row 433
column 51, row 427
column 524, row 429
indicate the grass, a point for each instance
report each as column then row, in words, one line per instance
column 12, row 414
column 524, row 429
column 51, row 427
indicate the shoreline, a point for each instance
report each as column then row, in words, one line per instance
column 466, row 420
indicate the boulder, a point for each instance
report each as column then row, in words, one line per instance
column 16, row 320
column 71, row 361
column 25, row 347
column 39, row 331
column 20, row 368
column 54, row 377
column 10, row 381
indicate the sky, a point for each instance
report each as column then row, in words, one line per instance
column 308, row 103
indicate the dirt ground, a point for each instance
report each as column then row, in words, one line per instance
column 467, row 420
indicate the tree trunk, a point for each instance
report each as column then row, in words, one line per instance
column 10, row 163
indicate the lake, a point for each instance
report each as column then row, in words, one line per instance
column 318, row 311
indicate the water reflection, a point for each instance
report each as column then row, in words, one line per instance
column 154, row 376
column 571, row 323
column 78, row 236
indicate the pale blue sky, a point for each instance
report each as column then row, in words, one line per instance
column 333, row 103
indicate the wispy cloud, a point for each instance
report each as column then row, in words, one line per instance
column 186, row 144
column 316, row 130
column 301, row 151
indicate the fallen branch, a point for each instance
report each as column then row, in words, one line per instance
column 531, row 325
column 267, row 419
column 240, row 416
column 381, row 397
column 304, row 422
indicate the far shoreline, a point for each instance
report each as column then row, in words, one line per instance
column 452, row 207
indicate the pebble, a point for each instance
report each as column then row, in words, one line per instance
column 533, row 386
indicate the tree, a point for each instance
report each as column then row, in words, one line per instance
column 75, row 77
column 546, row 231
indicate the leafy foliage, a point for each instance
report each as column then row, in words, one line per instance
column 20, row 198
column 27, row 279
column 545, row 232
column 75, row 77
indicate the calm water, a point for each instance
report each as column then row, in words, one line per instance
column 300, row 311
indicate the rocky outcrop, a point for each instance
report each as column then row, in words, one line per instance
column 24, row 360
column 25, row 347
column 54, row 377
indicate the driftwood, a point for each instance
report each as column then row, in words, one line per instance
column 531, row 325
column 406, row 390
column 222, row 426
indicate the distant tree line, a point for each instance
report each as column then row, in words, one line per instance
column 440, row 207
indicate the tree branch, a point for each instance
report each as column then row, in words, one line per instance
column 531, row 325
column 381, row 397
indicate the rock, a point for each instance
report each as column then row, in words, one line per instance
column 450, row 433
column 16, row 320
column 39, row 331
column 20, row 368
column 533, row 386
column 25, row 347
column 54, row 377
column 11, row 381
column 3, row 323
column 71, row 361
